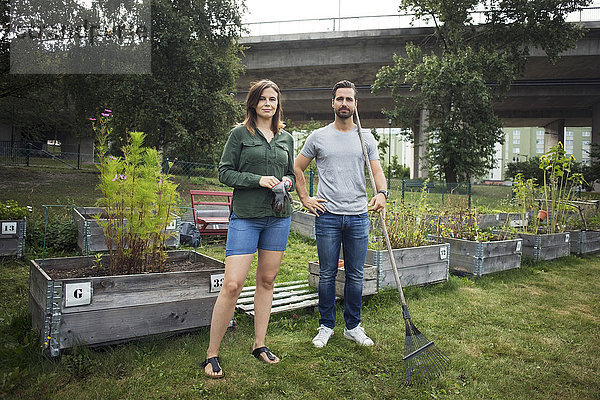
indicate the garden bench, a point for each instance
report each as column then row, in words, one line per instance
column 417, row 184
column 211, row 221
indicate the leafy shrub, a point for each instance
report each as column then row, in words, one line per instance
column 60, row 233
column 10, row 210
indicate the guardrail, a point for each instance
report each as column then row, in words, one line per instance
column 389, row 21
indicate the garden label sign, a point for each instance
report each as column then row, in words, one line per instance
column 216, row 282
column 78, row 294
column 9, row 228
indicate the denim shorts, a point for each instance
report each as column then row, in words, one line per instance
column 245, row 235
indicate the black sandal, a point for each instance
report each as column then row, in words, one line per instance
column 259, row 350
column 216, row 367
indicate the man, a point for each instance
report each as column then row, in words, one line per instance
column 341, row 209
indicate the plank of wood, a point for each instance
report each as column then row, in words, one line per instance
column 250, row 299
column 278, row 285
column 291, row 307
column 117, row 325
column 280, row 302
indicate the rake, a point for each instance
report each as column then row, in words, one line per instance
column 422, row 359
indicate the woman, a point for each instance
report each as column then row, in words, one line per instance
column 258, row 163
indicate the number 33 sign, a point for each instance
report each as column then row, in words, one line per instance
column 216, row 282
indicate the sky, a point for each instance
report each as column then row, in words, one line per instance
column 262, row 11
column 286, row 10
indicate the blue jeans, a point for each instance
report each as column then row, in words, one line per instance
column 351, row 231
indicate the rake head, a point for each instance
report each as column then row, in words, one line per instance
column 422, row 360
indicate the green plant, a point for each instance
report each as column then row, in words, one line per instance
column 524, row 191
column 559, row 184
column 406, row 223
column 57, row 230
column 137, row 198
column 10, row 210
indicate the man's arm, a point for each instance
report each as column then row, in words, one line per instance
column 378, row 201
column 311, row 203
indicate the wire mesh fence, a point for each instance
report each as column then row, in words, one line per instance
column 43, row 155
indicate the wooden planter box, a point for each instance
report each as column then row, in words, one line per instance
column 480, row 258
column 486, row 221
column 303, row 223
column 12, row 237
column 584, row 242
column 416, row 265
column 369, row 279
column 546, row 246
column 513, row 220
column 90, row 237
column 110, row 309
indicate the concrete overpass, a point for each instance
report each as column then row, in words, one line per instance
column 306, row 65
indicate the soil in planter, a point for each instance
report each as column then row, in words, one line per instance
column 93, row 271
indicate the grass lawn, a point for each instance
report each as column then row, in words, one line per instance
column 523, row 334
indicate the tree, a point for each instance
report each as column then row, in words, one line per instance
column 470, row 67
column 185, row 106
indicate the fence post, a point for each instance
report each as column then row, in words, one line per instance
column 27, row 151
column 403, row 182
column 469, row 194
column 78, row 155
column 312, row 176
column 443, row 191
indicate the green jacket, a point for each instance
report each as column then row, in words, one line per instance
column 247, row 157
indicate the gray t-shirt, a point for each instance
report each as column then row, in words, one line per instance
column 341, row 167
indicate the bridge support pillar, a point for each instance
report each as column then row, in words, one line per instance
column 596, row 124
column 420, row 169
column 555, row 132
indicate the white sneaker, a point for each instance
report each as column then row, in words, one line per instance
column 323, row 336
column 358, row 335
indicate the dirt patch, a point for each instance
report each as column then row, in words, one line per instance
column 91, row 270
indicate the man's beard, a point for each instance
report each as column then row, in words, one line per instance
column 344, row 116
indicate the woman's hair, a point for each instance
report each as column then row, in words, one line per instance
column 252, row 98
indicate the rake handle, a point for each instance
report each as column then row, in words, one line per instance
column 381, row 217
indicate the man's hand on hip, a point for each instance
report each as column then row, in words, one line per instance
column 313, row 204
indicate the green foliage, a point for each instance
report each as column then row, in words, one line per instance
column 138, row 200
column 406, row 224
column 452, row 83
column 10, row 209
column 58, row 230
column 559, row 184
column 399, row 171
column 528, row 169
column 524, row 191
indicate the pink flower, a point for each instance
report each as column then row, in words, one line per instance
column 105, row 115
column 92, row 119
column 123, row 177
column 112, row 157
column 107, row 110
column 115, row 178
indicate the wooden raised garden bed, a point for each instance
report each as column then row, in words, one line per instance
column 584, row 242
column 101, row 310
column 480, row 258
column 303, row 223
column 369, row 279
column 416, row 265
column 546, row 246
column 12, row 237
column 90, row 237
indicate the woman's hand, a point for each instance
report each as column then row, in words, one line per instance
column 268, row 181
